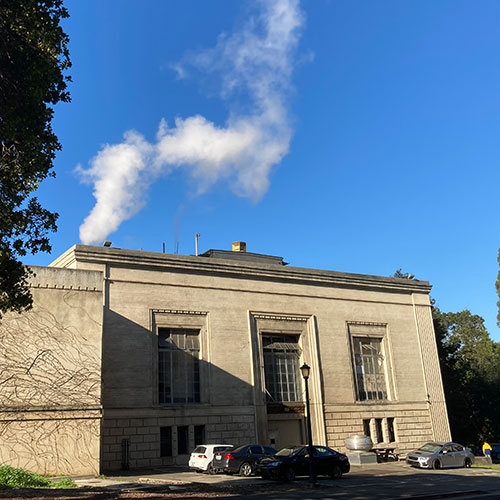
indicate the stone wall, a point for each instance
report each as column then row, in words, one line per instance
column 51, row 442
column 232, row 305
column 50, row 379
column 412, row 425
column 143, row 436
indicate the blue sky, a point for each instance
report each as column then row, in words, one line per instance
column 381, row 151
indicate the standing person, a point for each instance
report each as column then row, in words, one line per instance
column 486, row 449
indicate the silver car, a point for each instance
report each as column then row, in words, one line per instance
column 440, row 455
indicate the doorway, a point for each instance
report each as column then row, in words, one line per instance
column 282, row 433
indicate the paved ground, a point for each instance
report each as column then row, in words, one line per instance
column 378, row 481
column 390, row 481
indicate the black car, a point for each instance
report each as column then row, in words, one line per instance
column 294, row 461
column 241, row 459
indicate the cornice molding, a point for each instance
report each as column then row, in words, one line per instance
column 366, row 323
column 236, row 269
column 178, row 311
column 279, row 317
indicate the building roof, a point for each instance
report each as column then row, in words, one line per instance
column 220, row 262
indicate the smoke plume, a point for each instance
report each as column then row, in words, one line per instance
column 255, row 62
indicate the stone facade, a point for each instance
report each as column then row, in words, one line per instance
column 242, row 314
column 50, row 382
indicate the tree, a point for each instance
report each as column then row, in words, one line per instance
column 33, row 58
column 470, row 368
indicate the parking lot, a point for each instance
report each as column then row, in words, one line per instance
column 385, row 481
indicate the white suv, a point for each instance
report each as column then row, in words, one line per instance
column 202, row 456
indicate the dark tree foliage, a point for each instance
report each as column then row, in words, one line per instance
column 400, row 274
column 33, row 58
column 470, row 367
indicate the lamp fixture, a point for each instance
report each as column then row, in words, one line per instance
column 305, row 369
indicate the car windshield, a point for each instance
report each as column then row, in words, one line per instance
column 286, row 452
column 430, row 447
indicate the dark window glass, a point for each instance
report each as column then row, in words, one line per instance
column 321, row 451
column 199, row 434
column 390, row 429
column 165, row 441
column 178, row 365
column 378, row 426
column 366, row 427
column 182, row 439
column 281, row 367
column 242, row 448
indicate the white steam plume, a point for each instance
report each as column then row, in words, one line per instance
column 257, row 60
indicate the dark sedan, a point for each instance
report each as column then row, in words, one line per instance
column 241, row 459
column 294, row 461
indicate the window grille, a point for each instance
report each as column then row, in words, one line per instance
column 281, row 367
column 369, row 368
column 178, row 366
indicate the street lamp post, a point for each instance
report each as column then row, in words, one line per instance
column 306, row 370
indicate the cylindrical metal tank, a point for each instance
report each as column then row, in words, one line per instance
column 359, row 443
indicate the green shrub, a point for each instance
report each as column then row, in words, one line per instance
column 65, row 483
column 11, row 477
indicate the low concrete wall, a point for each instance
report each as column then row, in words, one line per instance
column 483, row 461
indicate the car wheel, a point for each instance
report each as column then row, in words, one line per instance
column 467, row 463
column 289, row 474
column 336, row 472
column 436, row 465
column 246, row 469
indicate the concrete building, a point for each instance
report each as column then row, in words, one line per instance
column 131, row 358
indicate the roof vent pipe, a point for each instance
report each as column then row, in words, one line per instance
column 196, row 243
